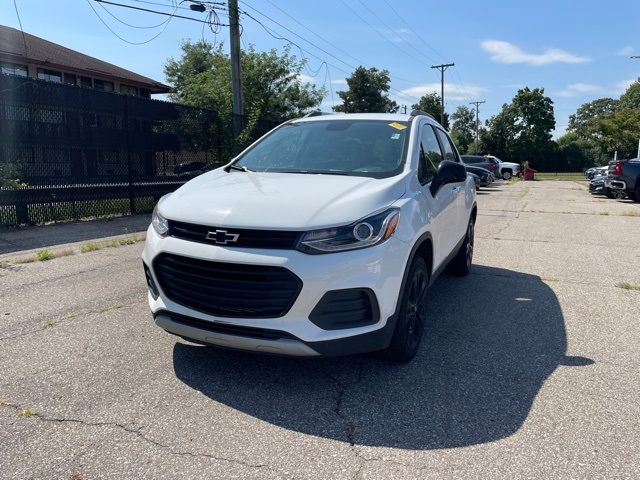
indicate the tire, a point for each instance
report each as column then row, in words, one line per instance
column 635, row 196
column 460, row 265
column 506, row 175
column 411, row 316
column 609, row 193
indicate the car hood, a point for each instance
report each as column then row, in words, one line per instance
column 279, row 201
column 509, row 164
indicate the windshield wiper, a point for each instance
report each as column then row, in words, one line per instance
column 317, row 172
column 240, row 168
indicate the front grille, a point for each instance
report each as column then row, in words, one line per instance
column 227, row 289
column 247, row 238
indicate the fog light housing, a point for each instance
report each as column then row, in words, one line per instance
column 153, row 288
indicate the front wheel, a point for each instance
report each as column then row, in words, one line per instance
column 411, row 314
column 506, row 175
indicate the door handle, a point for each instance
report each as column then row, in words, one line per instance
column 456, row 189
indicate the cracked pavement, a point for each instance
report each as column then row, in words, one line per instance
column 529, row 368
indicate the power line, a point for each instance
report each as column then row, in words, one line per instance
column 429, row 59
column 398, row 92
column 412, row 30
column 24, row 40
column 382, row 35
column 120, row 37
column 161, row 4
column 360, row 61
column 128, row 24
column 316, row 34
column 172, row 15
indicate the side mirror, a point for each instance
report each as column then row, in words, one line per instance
column 448, row 172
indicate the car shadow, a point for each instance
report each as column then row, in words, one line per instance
column 491, row 341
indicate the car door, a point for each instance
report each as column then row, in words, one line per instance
column 439, row 210
column 459, row 227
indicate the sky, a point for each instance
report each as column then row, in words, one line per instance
column 577, row 50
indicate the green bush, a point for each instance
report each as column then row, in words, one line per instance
column 9, row 177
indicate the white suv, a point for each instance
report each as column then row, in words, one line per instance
column 321, row 238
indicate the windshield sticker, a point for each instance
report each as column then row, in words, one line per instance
column 395, row 136
column 397, row 126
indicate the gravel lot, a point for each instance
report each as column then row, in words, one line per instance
column 530, row 369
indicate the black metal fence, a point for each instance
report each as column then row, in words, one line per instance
column 84, row 153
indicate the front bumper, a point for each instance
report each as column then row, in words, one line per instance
column 378, row 268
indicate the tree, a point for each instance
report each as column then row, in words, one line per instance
column 430, row 103
column 620, row 131
column 585, row 121
column 534, row 122
column 367, row 92
column 272, row 89
column 499, row 133
column 521, row 131
column 631, row 98
column 463, row 128
column 573, row 152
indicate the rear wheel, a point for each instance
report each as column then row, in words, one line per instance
column 411, row 315
column 460, row 265
column 609, row 193
column 635, row 196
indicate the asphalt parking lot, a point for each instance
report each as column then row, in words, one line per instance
column 529, row 369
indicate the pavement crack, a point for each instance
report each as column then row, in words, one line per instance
column 136, row 432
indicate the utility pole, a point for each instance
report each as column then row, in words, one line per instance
column 404, row 109
column 236, row 71
column 442, row 67
column 477, row 104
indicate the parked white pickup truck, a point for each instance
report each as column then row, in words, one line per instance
column 506, row 169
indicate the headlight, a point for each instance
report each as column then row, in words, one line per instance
column 363, row 233
column 160, row 224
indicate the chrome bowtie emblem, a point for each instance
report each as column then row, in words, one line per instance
column 222, row 237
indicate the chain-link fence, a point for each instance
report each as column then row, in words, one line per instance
column 83, row 153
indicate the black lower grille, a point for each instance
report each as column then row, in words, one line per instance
column 233, row 237
column 227, row 289
column 237, row 330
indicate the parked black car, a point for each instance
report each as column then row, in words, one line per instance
column 625, row 175
column 485, row 176
column 482, row 162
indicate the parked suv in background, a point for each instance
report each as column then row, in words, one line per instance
column 506, row 170
column 321, row 238
column 625, row 175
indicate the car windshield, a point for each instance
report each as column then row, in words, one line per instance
column 371, row 148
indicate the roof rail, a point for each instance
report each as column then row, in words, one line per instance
column 415, row 113
column 313, row 113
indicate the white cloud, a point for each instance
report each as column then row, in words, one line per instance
column 341, row 81
column 451, row 91
column 577, row 89
column 505, row 52
column 625, row 51
column 623, row 85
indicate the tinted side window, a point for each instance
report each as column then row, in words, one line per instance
column 430, row 154
column 449, row 150
column 447, row 146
